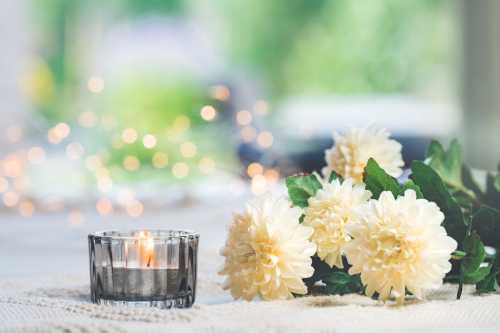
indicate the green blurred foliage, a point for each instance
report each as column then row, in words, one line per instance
column 342, row 46
column 151, row 104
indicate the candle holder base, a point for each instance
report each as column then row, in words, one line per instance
column 177, row 302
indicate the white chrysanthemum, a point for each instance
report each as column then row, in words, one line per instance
column 329, row 211
column 267, row 252
column 399, row 245
column 353, row 149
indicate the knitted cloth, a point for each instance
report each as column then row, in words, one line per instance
column 62, row 305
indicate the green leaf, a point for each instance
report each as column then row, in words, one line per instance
column 301, row 188
column 472, row 270
column 377, row 180
column 477, row 276
column 486, row 222
column 490, row 283
column 469, row 181
column 447, row 163
column 433, row 189
column 492, row 196
column 333, row 176
column 449, row 166
column 474, row 253
column 497, row 182
column 410, row 185
column 341, row 283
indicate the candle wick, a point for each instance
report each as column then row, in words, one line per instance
column 149, row 261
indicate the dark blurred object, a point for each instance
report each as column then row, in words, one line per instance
column 313, row 158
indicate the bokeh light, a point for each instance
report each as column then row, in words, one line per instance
column 87, row 119
column 160, row 160
column 254, row 169
column 36, row 155
column 188, row 149
column 76, row 217
column 131, row 163
column 134, row 208
column 180, row 170
column 208, row 113
column 129, row 135
column 206, row 165
column 248, row 133
column 75, row 150
column 95, row 84
column 149, row 141
column 220, row 92
column 26, row 208
column 104, row 206
column 243, row 118
column 265, row 139
column 10, row 198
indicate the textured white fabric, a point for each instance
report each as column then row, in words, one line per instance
column 44, row 288
column 62, row 305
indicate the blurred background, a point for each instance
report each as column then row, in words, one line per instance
column 125, row 106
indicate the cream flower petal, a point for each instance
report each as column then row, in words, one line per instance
column 399, row 244
column 267, row 252
column 352, row 150
column 329, row 211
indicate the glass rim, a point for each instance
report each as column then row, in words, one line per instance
column 155, row 234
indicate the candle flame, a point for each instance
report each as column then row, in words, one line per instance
column 146, row 246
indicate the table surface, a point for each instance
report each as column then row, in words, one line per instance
column 44, row 287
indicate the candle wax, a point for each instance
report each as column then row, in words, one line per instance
column 140, row 283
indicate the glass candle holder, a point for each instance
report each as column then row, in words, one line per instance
column 153, row 268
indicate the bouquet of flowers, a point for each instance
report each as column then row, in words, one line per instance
column 357, row 229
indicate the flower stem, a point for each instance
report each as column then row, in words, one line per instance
column 460, row 284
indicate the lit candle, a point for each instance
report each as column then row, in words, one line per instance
column 143, row 267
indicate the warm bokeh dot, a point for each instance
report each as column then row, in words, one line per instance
column 248, row 133
column 206, row 165
column 272, row 175
column 208, row 113
column 188, row 149
column 36, row 155
column 76, row 217
column 220, row 92
column 131, row 163
column 87, row 119
column 180, row 170
column 149, row 141
column 10, row 198
column 74, row 150
column 26, row 208
column 160, row 160
column 254, row 169
column 261, row 108
column 129, row 135
column 134, row 208
column 104, row 206
column 243, row 118
column 95, row 84
column 265, row 139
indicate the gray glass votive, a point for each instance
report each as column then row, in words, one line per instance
column 154, row 268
